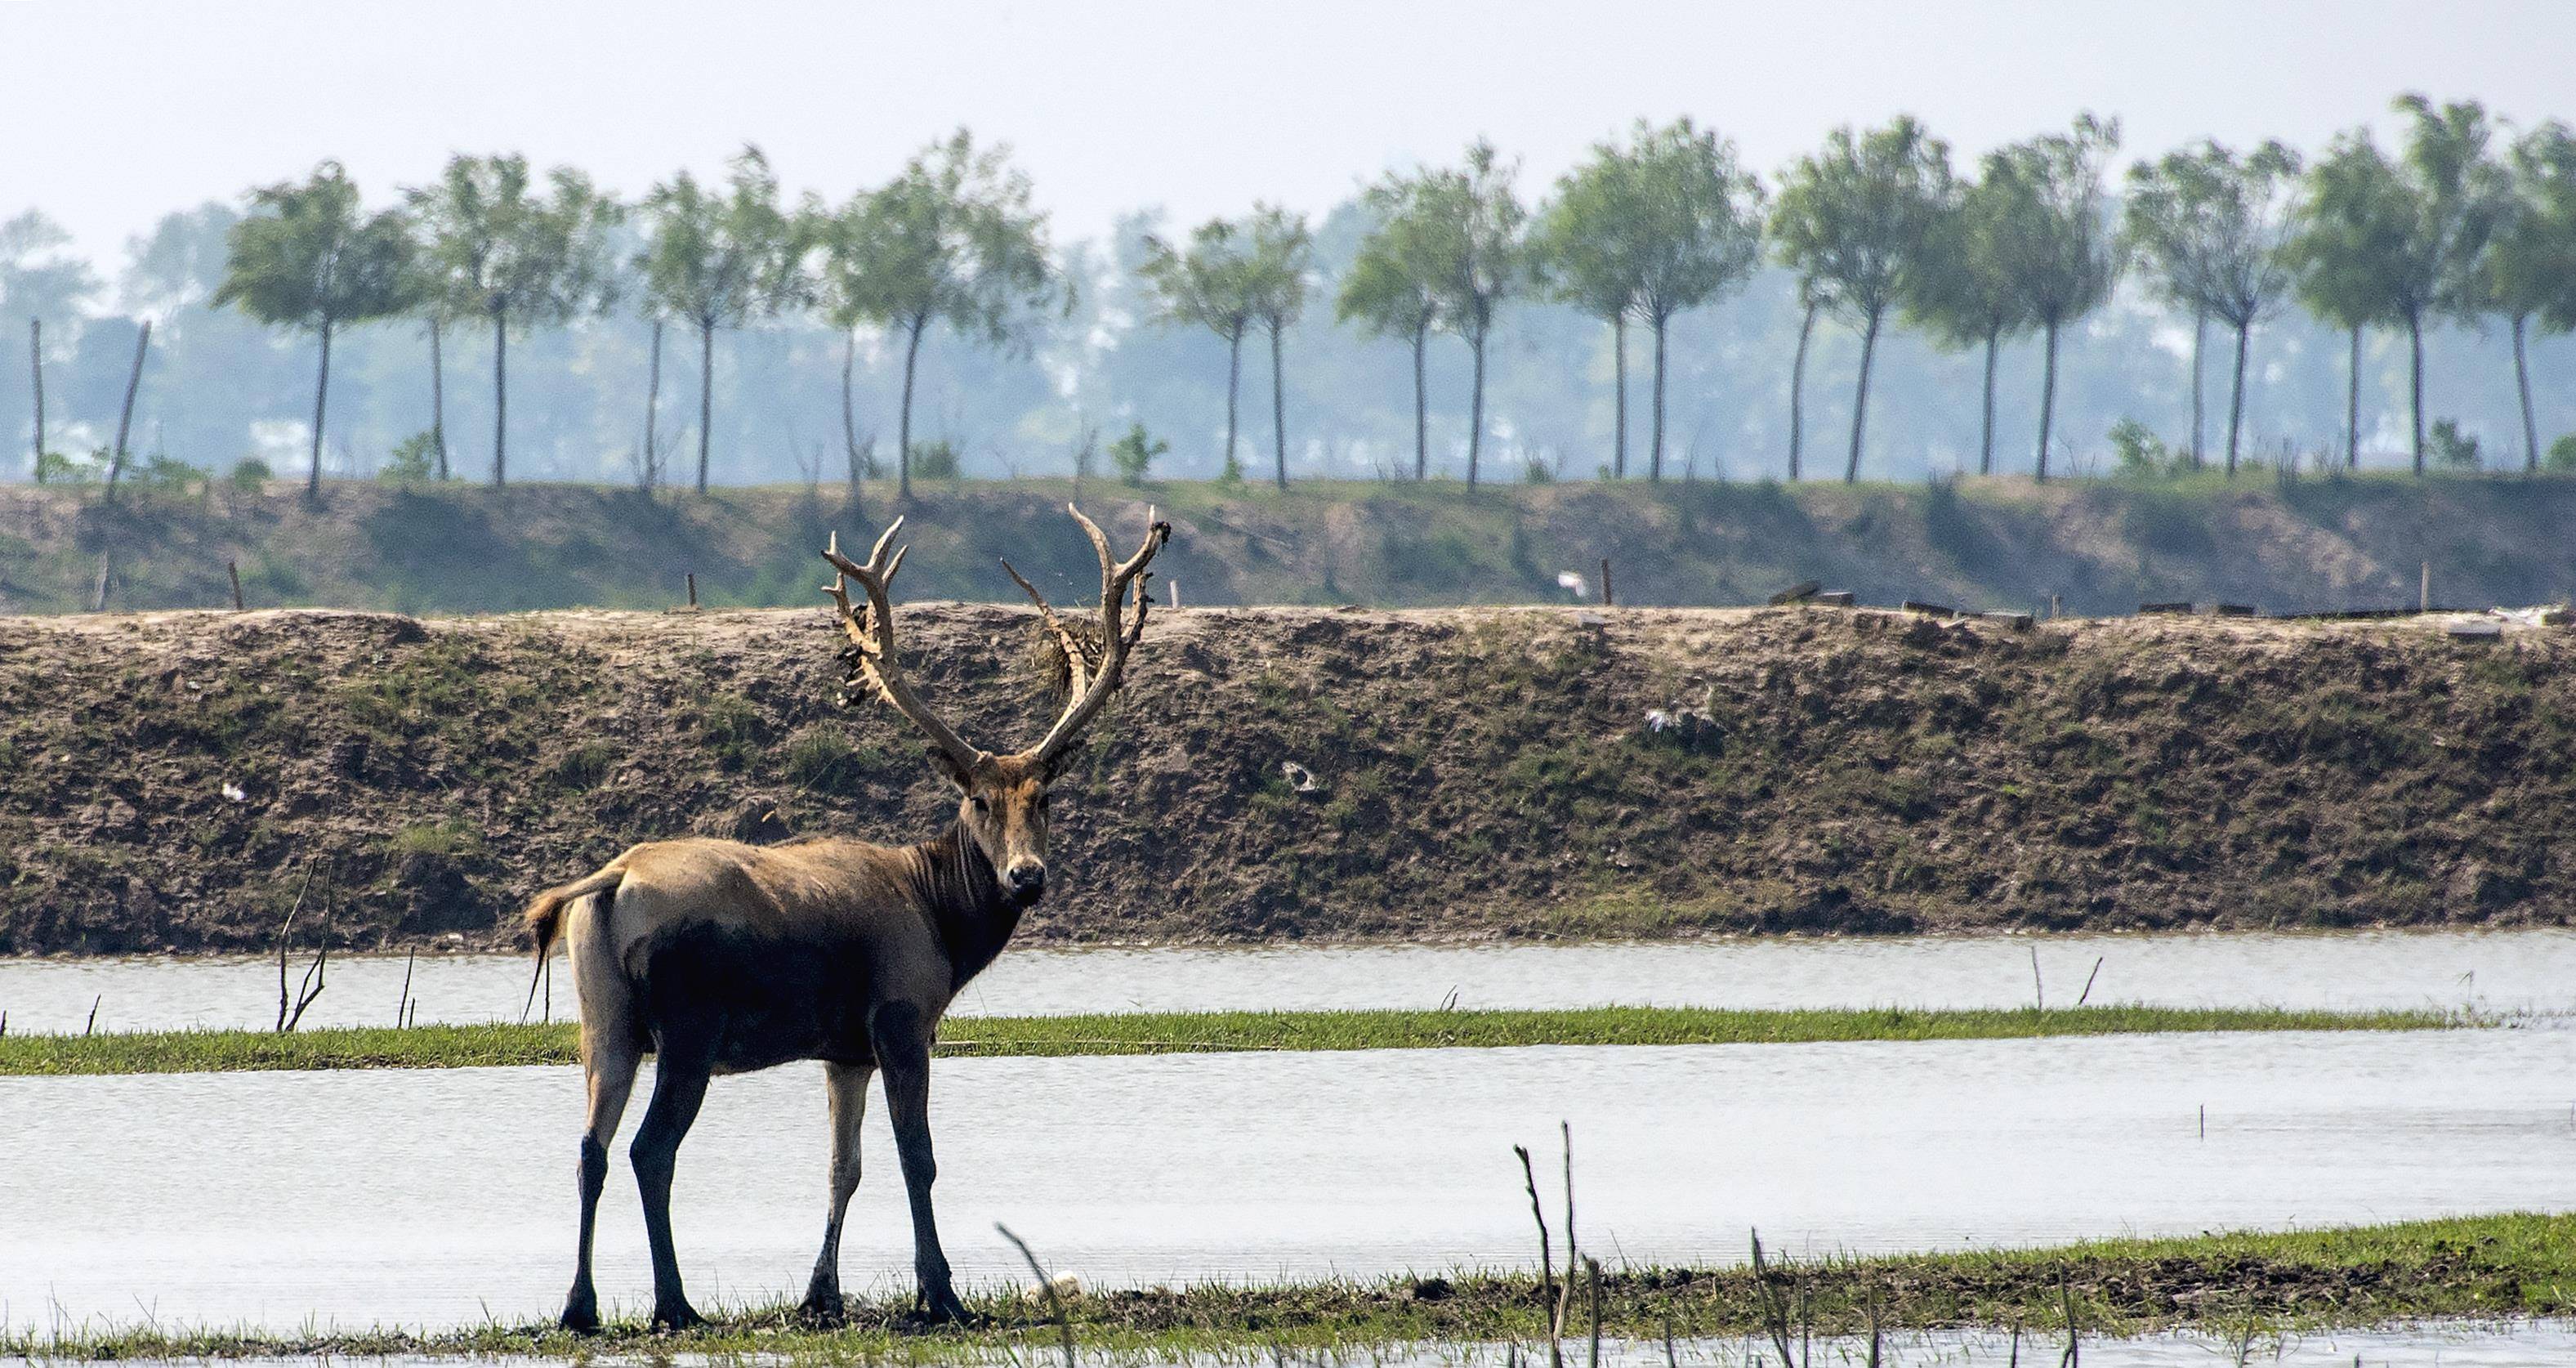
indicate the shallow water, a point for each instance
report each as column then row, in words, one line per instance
column 2497, row 970
column 441, row 1196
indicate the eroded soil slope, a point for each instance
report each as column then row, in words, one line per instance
column 166, row 778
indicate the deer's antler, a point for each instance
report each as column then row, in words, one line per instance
column 871, row 633
column 1096, row 677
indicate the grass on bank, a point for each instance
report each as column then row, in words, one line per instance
column 467, row 1046
column 2485, row 1267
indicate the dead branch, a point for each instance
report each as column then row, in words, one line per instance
column 1550, row 1297
column 290, row 1008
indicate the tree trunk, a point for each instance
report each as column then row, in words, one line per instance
column 2522, row 382
column 1233, row 384
column 652, row 412
column 903, row 418
column 1860, row 397
column 36, row 372
column 2047, row 399
column 321, row 391
column 1421, row 407
column 1476, row 411
column 2352, row 404
column 849, row 418
column 437, row 396
column 1798, row 390
column 501, row 405
column 2236, row 397
column 1619, row 395
column 1278, row 411
column 125, row 415
column 706, row 394
column 2199, row 335
column 2415, row 382
column 1986, row 430
column 1655, row 460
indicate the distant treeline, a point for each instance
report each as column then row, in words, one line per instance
column 1878, row 233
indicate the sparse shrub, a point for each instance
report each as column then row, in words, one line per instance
column 2139, row 451
column 2452, row 448
column 2562, row 455
column 165, row 474
column 250, row 475
column 1536, row 471
column 414, row 460
column 1135, row 452
column 934, row 460
column 733, row 729
column 60, row 467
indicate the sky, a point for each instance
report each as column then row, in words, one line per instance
column 1199, row 108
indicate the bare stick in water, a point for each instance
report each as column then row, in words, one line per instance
column 1546, row 1267
column 2088, row 980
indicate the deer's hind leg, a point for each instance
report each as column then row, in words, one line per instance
column 847, row 1086
column 610, row 1052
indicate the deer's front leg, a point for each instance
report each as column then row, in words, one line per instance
column 848, row 1084
column 901, row 1034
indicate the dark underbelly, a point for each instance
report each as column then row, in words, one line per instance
column 742, row 1001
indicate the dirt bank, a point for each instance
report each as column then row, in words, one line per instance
column 165, row 777
column 2101, row 547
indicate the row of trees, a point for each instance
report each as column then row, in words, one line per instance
column 1877, row 228
column 950, row 240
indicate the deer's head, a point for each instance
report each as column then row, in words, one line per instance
column 1002, row 798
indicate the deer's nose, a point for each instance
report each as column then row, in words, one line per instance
column 1028, row 880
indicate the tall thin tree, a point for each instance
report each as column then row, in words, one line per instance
column 309, row 257
column 719, row 260
column 1854, row 221
column 2067, row 255
column 1392, row 286
column 1209, row 281
column 495, row 246
column 2212, row 226
column 2528, row 273
column 1282, row 252
column 953, row 239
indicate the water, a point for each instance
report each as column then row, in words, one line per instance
column 2497, row 970
column 437, row 1197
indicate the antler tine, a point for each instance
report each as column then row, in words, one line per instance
column 873, row 640
column 1117, row 578
column 1077, row 658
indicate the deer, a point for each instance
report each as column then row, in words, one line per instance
column 718, row 957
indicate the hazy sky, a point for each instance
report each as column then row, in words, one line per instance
column 119, row 112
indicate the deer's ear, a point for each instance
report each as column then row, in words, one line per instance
column 946, row 768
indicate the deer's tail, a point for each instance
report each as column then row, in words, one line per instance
column 545, row 915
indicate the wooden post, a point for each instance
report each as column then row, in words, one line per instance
column 125, row 416
column 693, row 590
column 233, row 569
column 2424, row 593
column 98, row 600
column 1173, row 588
column 1606, row 599
column 36, row 370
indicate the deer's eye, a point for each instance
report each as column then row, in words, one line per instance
column 980, row 804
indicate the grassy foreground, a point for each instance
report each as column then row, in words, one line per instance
column 2485, row 1267
column 447, row 1047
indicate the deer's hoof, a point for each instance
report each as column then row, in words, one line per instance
column 676, row 1316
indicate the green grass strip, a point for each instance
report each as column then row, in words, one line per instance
column 2232, row 1286
column 449, row 1047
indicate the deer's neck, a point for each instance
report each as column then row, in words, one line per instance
column 966, row 903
